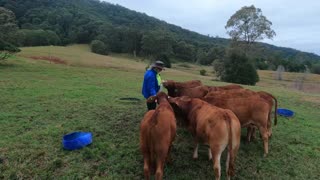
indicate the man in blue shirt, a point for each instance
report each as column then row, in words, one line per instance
column 152, row 82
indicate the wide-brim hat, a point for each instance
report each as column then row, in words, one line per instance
column 158, row 64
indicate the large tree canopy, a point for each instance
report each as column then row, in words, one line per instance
column 7, row 23
column 249, row 25
column 61, row 22
column 8, row 27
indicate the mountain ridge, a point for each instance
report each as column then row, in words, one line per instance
column 81, row 21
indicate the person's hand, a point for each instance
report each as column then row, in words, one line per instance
column 151, row 99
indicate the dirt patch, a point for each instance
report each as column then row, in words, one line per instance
column 52, row 59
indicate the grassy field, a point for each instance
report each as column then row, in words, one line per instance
column 41, row 101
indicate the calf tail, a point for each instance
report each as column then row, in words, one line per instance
column 275, row 110
column 275, row 107
column 230, row 146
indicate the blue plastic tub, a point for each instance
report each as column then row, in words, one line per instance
column 76, row 140
column 285, row 112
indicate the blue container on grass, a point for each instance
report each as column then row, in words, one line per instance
column 285, row 112
column 76, row 140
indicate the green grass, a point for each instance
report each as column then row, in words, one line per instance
column 40, row 102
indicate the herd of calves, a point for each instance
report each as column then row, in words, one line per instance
column 213, row 115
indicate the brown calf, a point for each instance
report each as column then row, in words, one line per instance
column 157, row 132
column 250, row 111
column 267, row 97
column 214, row 126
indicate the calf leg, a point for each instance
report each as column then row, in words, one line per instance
column 146, row 168
column 160, row 166
column 265, row 137
column 195, row 152
column 216, row 151
column 253, row 133
column 231, row 160
column 249, row 130
column 168, row 159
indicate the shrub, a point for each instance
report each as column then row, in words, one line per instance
column 6, row 49
column 6, row 46
column 203, row 72
column 237, row 69
column 262, row 65
column 99, row 47
column 315, row 69
column 218, row 67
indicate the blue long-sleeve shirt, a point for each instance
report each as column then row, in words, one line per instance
column 150, row 85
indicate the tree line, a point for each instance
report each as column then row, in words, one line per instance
column 112, row 28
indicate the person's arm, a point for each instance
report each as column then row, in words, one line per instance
column 151, row 85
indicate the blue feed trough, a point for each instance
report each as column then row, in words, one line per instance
column 285, row 112
column 76, row 140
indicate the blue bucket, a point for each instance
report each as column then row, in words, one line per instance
column 285, row 112
column 76, row 140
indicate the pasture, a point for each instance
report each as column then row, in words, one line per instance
column 40, row 101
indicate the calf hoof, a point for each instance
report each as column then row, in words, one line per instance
column 195, row 157
column 265, row 155
column 169, row 160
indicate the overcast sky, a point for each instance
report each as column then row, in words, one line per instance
column 296, row 22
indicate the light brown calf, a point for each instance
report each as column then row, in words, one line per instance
column 250, row 111
column 157, row 132
column 214, row 126
column 236, row 93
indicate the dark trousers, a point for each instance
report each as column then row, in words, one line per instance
column 151, row 106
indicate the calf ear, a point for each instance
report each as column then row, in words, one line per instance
column 174, row 101
column 164, row 83
column 171, row 99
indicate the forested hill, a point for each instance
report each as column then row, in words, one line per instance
column 61, row 22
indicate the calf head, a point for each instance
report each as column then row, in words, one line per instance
column 178, row 104
column 182, row 103
column 170, row 86
column 159, row 98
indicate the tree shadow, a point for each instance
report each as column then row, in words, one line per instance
column 6, row 65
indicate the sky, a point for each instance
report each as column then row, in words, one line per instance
column 296, row 22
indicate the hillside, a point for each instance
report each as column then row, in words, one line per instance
column 60, row 22
column 80, row 55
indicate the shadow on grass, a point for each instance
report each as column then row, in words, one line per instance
column 6, row 65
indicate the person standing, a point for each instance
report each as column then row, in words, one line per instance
column 152, row 83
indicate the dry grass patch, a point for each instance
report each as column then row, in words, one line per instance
column 309, row 83
column 80, row 55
